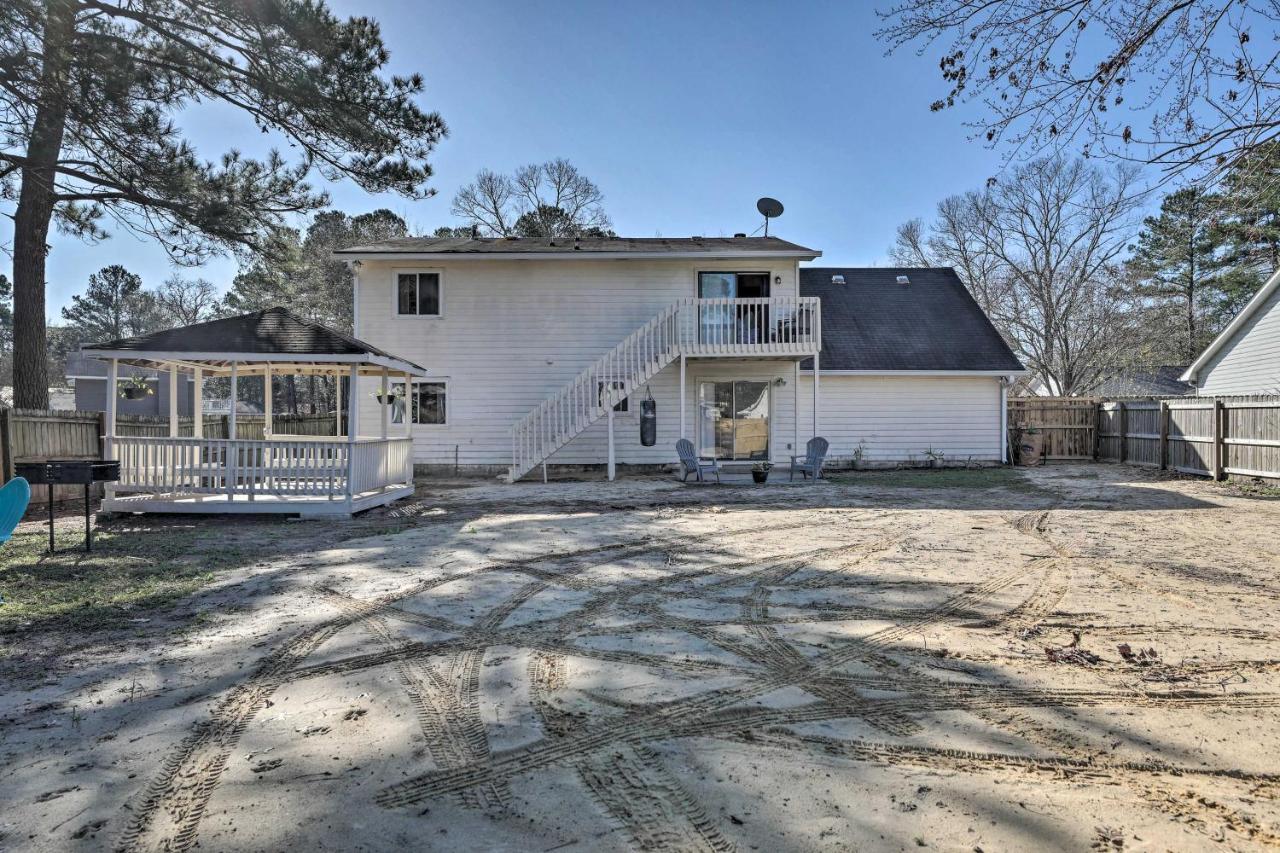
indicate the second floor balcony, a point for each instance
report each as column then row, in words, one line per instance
column 763, row 326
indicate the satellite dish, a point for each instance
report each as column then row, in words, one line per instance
column 769, row 208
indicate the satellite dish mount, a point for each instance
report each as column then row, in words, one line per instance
column 769, row 208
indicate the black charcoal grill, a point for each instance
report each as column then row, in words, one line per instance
column 69, row 472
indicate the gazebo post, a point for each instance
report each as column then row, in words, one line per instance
column 386, row 409
column 113, row 377
column 173, row 401
column 235, row 396
column 353, row 428
column 197, row 404
column 408, row 406
column 267, row 425
column 337, row 405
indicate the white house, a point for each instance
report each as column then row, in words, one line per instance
column 1245, row 358
column 541, row 352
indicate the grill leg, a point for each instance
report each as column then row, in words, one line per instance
column 50, row 488
column 88, row 531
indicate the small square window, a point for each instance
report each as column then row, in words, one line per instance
column 418, row 293
column 621, row 405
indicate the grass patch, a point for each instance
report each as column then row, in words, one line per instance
column 1009, row 479
column 135, row 566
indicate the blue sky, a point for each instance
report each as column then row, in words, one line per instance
column 683, row 113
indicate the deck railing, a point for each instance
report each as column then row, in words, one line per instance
column 279, row 467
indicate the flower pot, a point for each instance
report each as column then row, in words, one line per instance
column 133, row 393
column 760, row 476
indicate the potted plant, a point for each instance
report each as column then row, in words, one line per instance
column 760, row 471
column 935, row 457
column 135, row 388
column 393, row 396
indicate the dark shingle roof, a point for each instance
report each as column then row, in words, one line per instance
column 871, row 322
column 275, row 331
column 1159, row 381
column 585, row 245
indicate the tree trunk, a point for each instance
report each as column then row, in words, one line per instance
column 34, row 211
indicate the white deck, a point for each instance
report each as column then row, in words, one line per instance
column 284, row 474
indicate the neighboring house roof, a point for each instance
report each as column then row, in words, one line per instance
column 872, row 323
column 275, row 331
column 612, row 247
column 1159, row 381
column 1234, row 328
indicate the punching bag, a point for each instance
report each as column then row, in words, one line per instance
column 648, row 422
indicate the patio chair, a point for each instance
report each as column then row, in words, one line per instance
column 691, row 464
column 14, row 497
column 815, row 455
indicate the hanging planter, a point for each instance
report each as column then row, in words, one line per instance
column 392, row 397
column 135, row 388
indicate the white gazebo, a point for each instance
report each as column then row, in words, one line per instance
column 300, row 474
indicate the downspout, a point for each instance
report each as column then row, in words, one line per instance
column 1004, row 418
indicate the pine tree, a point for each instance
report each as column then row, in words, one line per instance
column 1173, row 266
column 113, row 306
column 89, row 93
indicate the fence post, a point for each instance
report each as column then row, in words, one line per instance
column 1164, row 434
column 1218, row 445
column 1124, row 432
column 1097, row 431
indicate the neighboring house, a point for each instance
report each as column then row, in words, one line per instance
column 534, row 348
column 60, row 399
column 1245, row 358
column 1160, row 381
column 88, row 377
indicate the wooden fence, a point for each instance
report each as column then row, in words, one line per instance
column 31, row 435
column 1069, row 424
column 1211, row 436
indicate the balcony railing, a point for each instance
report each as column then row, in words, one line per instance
column 775, row 325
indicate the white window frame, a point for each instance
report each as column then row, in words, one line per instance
column 395, row 293
column 408, row 405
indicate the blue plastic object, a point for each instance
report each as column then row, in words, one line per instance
column 14, row 497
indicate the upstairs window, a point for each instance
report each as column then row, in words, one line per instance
column 418, row 294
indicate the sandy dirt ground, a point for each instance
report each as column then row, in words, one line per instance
column 1083, row 657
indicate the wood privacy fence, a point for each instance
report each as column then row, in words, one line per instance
column 32, row 435
column 1211, row 436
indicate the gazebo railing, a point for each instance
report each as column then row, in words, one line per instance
column 278, row 467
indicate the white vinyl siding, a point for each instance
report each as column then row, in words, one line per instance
column 515, row 331
column 900, row 417
column 1249, row 363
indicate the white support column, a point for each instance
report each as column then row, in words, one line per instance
column 612, row 467
column 683, row 434
column 816, row 432
column 795, row 421
column 113, row 391
column 197, row 404
column 235, row 397
column 337, row 404
column 268, row 423
column 173, row 401
column 386, row 401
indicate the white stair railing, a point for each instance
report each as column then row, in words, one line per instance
column 588, row 396
column 769, row 326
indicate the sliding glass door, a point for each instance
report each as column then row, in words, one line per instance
column 733, row 420
column 728, row 323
